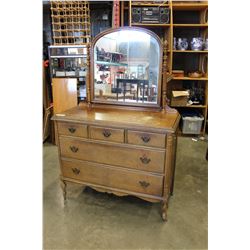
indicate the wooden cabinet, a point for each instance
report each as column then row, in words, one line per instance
column 123, row 139
column 138, row 160
column 64, row 94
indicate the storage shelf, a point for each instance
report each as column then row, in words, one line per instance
column 190, row 78
column 70, row 56
column 189, row 6
column 190, row 106
column 151, row 24
column 111, row 63
column 190, row 51
column 190, row 25
column 179, row 133
column 69, row 77
column 83, row 45
column 150, row 4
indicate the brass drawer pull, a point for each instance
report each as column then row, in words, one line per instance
column 76, row 171
column 106, row 133
column 74, row 149
column 145, row 160
column 145, row 138
column 72, row 130
column 144, row 184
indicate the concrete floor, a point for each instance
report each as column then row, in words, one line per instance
column 92, row 220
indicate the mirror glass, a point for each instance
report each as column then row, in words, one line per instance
column 126, row 67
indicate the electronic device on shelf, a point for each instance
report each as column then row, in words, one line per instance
column 136, row 15
column 150, row 15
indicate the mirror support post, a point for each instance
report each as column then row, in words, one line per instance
column 165, row 79
column 88, row 76
column 164, row 75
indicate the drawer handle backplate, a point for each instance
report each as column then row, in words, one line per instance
column 145, row 138
column 72, row 130
column 145, row 160
column 106, row 133
column 76, row 171
column 144, row 184
column 73, row 149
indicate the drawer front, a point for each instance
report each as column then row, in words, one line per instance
column 147, row 139
column 118, row 155
column 113, row 177
column 73, row 129
column 106, row 134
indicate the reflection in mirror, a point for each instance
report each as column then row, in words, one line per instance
column 126, row 67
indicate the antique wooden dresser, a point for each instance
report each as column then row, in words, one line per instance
column 123, row 140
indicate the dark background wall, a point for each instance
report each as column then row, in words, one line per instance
column 100, row 16
column 47, row 29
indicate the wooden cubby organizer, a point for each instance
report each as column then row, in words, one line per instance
column 70, row 22
column 187, row 19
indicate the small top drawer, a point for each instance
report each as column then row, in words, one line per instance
column 147, row 139
column 106, row 134
column 73, row 129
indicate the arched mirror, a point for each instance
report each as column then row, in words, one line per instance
column 126, row 67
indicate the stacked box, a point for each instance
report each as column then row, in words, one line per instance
column 179, row 98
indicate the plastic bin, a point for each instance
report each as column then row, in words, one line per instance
column 191, row 123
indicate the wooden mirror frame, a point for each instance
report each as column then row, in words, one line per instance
column 108, row 31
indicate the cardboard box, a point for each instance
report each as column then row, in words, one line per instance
column 179, row 98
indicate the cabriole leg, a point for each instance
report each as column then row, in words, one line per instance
column 164, row 210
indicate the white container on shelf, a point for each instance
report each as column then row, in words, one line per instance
column 60, row 73
column 70, row 73
column 192, row 124
column 82, row 73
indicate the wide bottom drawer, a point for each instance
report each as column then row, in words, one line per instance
column 113, row 177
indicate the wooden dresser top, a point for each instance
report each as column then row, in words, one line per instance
column 133, row 119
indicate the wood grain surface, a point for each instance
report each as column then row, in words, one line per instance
column 139, row 158
column 113, row 177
